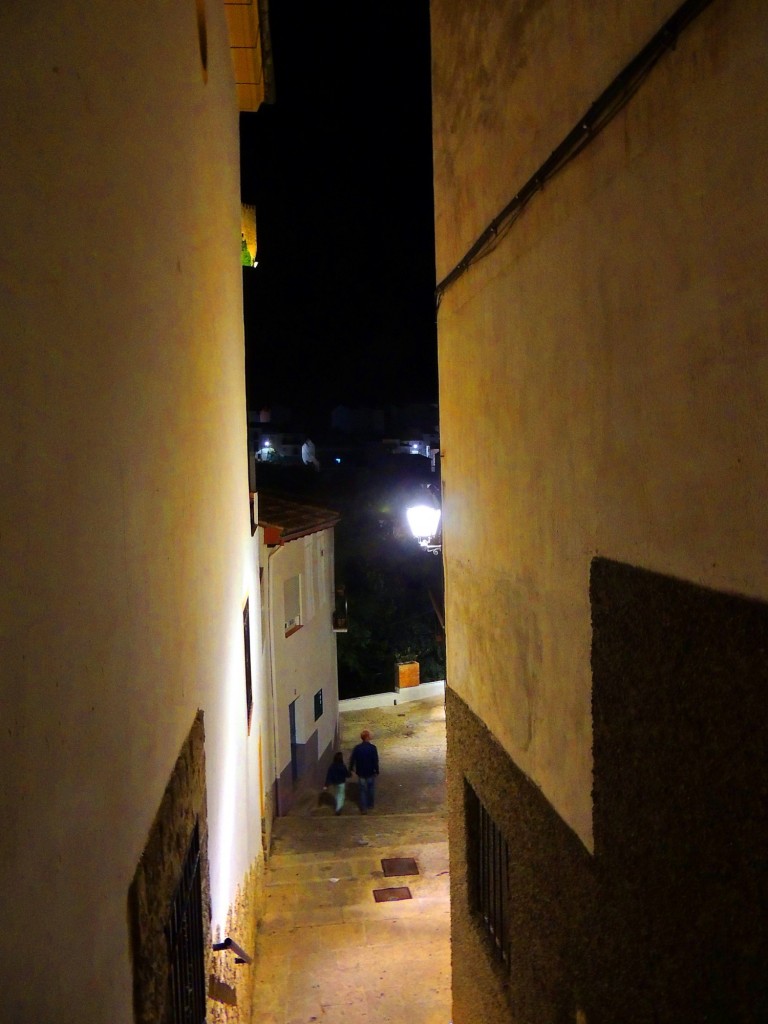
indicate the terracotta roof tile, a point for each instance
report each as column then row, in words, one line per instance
column 292, row 519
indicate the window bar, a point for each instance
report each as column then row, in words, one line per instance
column 483, row 902
column 488, row 860
column 184, row 933
column 496, row 886
column 495, row 851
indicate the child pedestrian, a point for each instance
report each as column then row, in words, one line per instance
column 337, row 776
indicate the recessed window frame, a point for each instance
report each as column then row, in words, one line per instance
column 488, row 874
column 247, row 655
column 292, row 605
column 186, row 943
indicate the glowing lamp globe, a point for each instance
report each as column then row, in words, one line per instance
column 423, row 521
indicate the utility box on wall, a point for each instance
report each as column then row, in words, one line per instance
column 406, row 674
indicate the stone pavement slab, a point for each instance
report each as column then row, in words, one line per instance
column 326, row 951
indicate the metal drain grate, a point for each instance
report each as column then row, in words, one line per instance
column 399, row 866
column 401, row 892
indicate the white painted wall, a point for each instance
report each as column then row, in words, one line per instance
column 305, row 661
column 125, row 548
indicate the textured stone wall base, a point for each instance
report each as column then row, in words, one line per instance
column 230, row 985
column 666, row 923
column 149, row 898
column 550, row 890
column 680, row 692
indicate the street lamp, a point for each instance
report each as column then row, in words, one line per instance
column 424, row 521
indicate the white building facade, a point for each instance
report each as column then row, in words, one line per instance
column 296, row 545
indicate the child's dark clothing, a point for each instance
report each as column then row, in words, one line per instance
column 337, row 773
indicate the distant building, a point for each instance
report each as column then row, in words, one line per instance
column 426, row 445
column 274, row 440
column 275, row 446
column 363, row 421
column 416, row 418
column 296, row 551
column 278, row 415
column 308, row 455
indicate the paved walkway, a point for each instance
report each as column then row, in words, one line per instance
column 327, row 951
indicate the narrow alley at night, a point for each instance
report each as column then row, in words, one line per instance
column 327, row 950
column 273, row 275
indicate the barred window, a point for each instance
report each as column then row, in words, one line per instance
column 488, row 867
column 184, row 933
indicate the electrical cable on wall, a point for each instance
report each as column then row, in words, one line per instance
column 602, row 112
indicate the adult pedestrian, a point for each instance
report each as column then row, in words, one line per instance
column 337, row 776
column 365, row 763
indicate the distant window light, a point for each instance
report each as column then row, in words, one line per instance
column 338, row 461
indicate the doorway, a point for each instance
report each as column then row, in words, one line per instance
column 294, row 744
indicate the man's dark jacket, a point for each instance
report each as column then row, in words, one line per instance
column 365, row 760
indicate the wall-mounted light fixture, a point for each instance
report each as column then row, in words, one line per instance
column 241, row 957
column 424, row 521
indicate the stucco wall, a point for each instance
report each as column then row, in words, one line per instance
column 182, row 814
column 603, row 371
column 509, row 80
column 665, row 921
column 124, row 524
column 550, row 902
column 681, row 844
column 305, row 661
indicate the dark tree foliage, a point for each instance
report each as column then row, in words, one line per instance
column 392, row 587
column 392, row 618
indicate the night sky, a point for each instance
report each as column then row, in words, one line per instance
column 341, row 306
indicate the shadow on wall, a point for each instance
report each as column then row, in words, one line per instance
column 522, row 887
column 665, row 924
column 680, row 690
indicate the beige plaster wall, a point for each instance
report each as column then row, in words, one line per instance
column 124, row 522
column 603, row 372
column 509, row 81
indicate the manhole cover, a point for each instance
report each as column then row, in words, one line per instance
column 401, row 892
column 399, row 866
